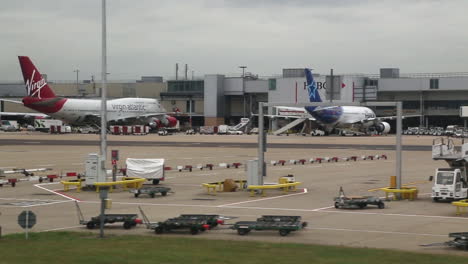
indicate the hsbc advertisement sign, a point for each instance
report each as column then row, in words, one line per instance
column 294, row 89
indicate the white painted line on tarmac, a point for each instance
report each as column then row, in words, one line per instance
column 269, row 208
column 57, row 193
column 35, row 200
column 80, row 163
column 343, row 164
column 263, row 199
column 403, row 215
column 35, row 205
column 375, row 231
column 323, row 208
column 60, row 228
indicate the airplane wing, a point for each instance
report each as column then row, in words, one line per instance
column 11, row 101
column 19, row 113
column 395, row 117
column 23, row 114
column 26, row 172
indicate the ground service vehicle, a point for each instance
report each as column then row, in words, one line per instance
column 450, row 130
column 359, row 202
column 450, row 183
column 151, row 191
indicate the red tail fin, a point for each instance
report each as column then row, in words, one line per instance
column 36, row 85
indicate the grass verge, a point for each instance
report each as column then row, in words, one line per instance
column 79, row 247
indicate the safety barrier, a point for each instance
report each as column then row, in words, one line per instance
column 461, row 206
column 212, row 187
column 286, row 187
column 67, row 184
column 126, row 182
column 236, row 165
column 410, row 193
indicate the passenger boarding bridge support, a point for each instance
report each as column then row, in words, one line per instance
column 262, row 141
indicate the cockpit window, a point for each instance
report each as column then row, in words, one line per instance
column 445, row 178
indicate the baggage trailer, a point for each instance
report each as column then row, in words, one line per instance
column 460, row 241
column 283, row 223
column 151, row 191
column 359, row 202
column 212, row 220
column 194, row 223
column 129, row 220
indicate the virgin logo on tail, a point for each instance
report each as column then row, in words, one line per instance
column 34, row 88
column 36, row 85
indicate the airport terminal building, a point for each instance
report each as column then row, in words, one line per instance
column 218, row 99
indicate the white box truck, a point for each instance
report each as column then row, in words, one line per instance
column 43, row 125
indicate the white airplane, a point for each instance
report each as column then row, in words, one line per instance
column 41, row 98
column 357, row 118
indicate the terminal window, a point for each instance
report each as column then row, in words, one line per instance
column 272, row 84
column 434, row 84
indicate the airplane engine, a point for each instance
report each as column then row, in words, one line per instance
column 172, row 121
column 155, row 123
column 383, row 127
column 165, row 121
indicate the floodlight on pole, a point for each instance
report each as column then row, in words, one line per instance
column 77, row 80
column 243, row 70
column 243, row 86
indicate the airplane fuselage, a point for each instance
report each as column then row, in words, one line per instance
column 75, row 111
column 343, row 116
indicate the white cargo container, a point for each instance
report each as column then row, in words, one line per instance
column 150, row 169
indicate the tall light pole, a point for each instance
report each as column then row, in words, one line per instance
column 104, row 93
column 77, row 82
column 243, row 85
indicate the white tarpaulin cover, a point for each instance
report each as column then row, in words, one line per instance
column 145, row 168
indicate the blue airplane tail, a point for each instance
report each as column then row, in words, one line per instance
column 314, row 95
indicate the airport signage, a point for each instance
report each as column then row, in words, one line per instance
column 27, row 219
column 114, row 155
column 323, row 85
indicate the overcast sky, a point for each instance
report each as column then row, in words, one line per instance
column 147, row 37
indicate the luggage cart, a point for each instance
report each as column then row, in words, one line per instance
column 283, row 223
column 151, row 191
column 129, row 220
column 194, row 223
column 359, row 202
